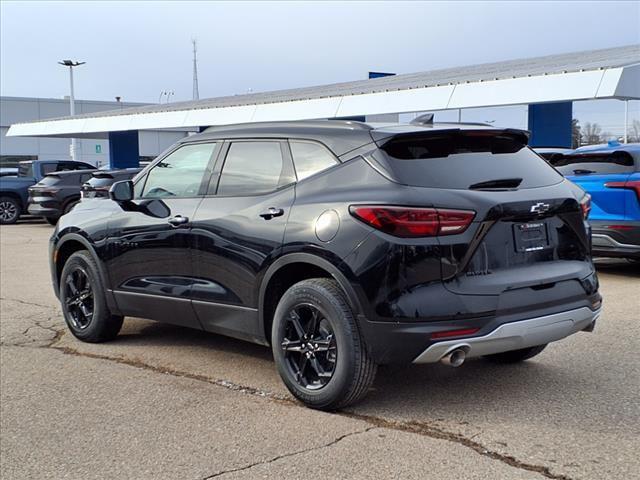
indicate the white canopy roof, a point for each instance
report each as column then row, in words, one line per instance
column 595, row 74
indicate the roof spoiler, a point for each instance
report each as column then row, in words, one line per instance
column 521, row 136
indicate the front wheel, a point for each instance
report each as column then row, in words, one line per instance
column 515, row 356
column 317, row 346
column 83, row 301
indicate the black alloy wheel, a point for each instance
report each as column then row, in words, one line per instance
column 317, row 347
column 84, row 304
column 78, row 297
column 9, row 211
column 309, row 346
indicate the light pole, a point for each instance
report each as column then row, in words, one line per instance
column 71, row 64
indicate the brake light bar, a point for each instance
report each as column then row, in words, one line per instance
column 411, row 222
column 628, row 185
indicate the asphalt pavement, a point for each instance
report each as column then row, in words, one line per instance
column 168, row 402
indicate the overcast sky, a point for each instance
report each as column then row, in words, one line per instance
column 138, row 49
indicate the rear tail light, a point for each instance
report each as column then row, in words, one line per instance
column 585, row 205
column 46, row 192
column 629, row 185
column 413, row 222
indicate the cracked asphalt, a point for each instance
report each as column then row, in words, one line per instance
column 168, row 402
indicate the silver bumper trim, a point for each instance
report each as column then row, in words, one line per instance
column 515, row 335
column 605, row 241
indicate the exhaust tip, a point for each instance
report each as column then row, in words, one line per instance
column 455, row 358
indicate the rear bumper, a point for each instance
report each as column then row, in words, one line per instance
column 609, row 241
column 516, row 335
column 48, row 209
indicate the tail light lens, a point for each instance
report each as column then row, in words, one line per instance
column 629, row 185
column 413, row 222
column 585, row 205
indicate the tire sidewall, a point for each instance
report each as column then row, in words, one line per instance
column 84, row 261
column 336, row 315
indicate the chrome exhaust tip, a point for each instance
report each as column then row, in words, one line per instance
column 454, row 358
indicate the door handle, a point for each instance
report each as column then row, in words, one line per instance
column 272, row 212
column 178, row 220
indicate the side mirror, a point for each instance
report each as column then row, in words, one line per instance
column 121, row 191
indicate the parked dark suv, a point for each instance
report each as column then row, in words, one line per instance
column 56, row 194
column 341, row 244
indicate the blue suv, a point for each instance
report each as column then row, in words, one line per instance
column 611, row 175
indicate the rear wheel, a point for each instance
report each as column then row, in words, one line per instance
column 515, row 356
column 83, row 302
column 9, row 210
column 317, row 347
column 70, row 206
column 51, row 220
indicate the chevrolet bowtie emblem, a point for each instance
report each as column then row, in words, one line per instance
column 540, row 208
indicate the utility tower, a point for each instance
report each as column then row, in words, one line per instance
column 196, row 94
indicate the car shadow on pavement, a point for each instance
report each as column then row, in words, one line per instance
column 147, row 333
column 619, row 267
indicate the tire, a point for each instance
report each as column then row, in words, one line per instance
column 51, row 220
column 101, row 325
column 10, row 210
column 515, row 356
column 335, row 347
column 69, row 206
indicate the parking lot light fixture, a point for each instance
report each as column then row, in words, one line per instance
column 71, row 64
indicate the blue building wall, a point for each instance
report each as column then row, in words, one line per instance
column 124, row 149
column 550, row 124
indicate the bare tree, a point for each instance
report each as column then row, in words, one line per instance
column 591, row 133
column 634, row 131
column 575, row 133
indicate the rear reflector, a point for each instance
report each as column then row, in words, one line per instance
column 619, row 227
column 413, row 222
column 585, row 205
column 454, row 333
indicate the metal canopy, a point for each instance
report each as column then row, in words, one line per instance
column 595, row 74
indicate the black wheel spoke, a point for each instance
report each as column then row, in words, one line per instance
column 291, row 345
column 320, row 371
column 295, row 321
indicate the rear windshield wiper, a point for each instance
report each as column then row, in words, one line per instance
column 582, row 171
column 498, row 184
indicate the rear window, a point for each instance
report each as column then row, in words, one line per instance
column 25, row 170
column 50, row 180
column 459, row 160
column 101, row 181
column 601, row 162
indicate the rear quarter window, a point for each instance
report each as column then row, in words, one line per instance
column 458, row 160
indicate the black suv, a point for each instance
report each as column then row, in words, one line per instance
column 343, row 245
column 56, row 194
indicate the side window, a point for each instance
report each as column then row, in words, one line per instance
column 254, row 167
column 180, row 173
column 47, row 168
column 310, row 158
